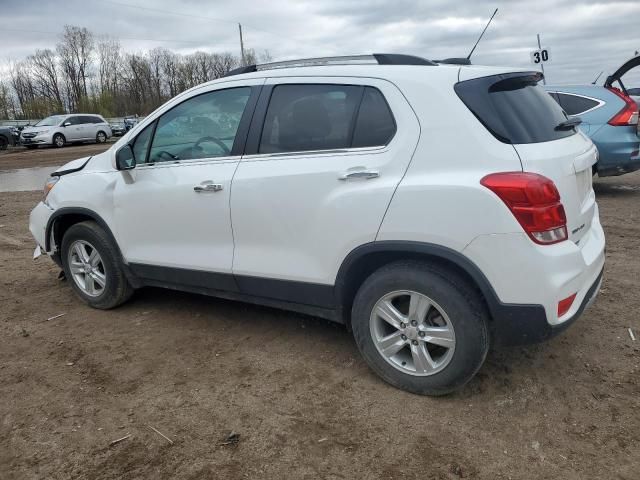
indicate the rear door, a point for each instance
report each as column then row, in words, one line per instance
column 323, row 159
column 88, row 127
column 517, row 111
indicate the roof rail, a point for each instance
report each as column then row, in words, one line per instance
column 455, row 61
column 374, row 59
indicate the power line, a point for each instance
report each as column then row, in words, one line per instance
column 200, row 17
column 118, row 36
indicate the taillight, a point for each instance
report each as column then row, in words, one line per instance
column 534, row 201
column 628, row 115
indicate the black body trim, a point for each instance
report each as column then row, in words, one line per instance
column 427, row 249
column 252, row 144
column 527, row 327
column 59, row 173
column 299, row 297
column 400, row 59
column 183, row 277
column 313, row 294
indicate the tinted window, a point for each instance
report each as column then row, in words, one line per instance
column 86, row 119
column 202, row 127
column 141, row 144
column 309, row 117
column 574, row 104
column 375, row 125
column 514, row 108
column 73, row 120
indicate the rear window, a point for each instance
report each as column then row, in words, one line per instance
column 514, row 108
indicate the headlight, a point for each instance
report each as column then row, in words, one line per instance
column 48, row 186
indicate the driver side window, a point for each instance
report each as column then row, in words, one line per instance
column 204, row 126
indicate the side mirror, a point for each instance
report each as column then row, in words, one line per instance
column 125, row 159
column 66, row 124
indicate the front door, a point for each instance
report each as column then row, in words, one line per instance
column 172, row 210
column 73, row 129
column 323, row 160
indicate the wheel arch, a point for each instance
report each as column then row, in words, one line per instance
column 63, row 218
column 364, row 260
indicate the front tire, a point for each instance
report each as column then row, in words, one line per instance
column 93, row 267
column 58, row 140
column 420, row 328
column 101, row 137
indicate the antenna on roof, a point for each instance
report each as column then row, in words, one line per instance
column 596, row 79
column 481, row 35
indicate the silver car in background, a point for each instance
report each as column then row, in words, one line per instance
column 58, row 130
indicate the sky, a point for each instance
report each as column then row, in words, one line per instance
column 583, row 37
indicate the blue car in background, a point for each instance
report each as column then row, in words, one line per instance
column 609, row 117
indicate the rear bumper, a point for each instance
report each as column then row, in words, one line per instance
column 529, row 280
column 617, row 149
column 527, row 324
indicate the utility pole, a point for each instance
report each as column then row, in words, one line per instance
column 544, row 80
column 241, row 45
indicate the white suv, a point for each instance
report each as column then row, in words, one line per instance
column 58, row 130
column 431, row 208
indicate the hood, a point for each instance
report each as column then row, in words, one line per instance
column 72, row 166
column 36, row 129
column 622, row 70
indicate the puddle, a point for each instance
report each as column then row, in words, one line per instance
column 24, row 179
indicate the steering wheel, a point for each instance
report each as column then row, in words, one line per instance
column 215, row 140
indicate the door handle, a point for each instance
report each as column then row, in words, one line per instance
column 365, row 174
column 208, row 187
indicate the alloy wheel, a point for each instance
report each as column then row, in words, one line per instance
column 87, row 268
column 412, row 333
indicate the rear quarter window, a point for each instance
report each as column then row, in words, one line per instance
column 514, row 107
column 575, row 104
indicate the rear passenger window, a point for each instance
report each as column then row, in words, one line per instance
column 309, row 117
column 375, row 125
column 575, row 104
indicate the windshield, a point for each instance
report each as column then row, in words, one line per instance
column 52, row 121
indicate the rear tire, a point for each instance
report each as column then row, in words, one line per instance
column 93, row 266
column 4, row 143
column 440, row 345
column 58, row 140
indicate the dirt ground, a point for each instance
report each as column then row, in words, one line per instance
column 294, row 388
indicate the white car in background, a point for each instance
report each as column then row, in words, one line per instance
column 59, row 130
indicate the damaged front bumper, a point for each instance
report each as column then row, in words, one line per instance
column 38, row 220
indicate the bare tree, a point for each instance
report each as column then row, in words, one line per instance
column 75, row 49
column 43, row 68
column 83, row 73
column 109, row 65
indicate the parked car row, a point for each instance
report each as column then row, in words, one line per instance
column 433, row 208
column 59, row 130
